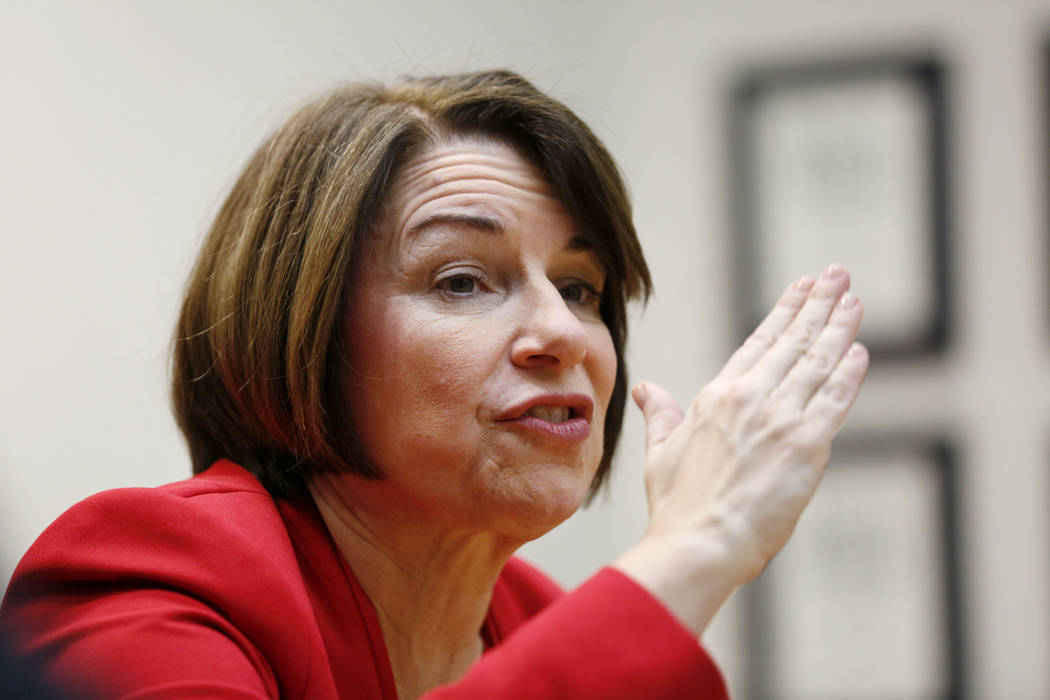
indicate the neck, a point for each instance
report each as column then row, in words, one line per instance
column 430, row 585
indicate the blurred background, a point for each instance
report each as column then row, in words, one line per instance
column 124, row 125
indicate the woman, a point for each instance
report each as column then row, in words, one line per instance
column 400, row 357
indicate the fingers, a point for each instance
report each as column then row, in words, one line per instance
column 817, row 363
column 827, row 409
column 762, row 339
column 661, row 411
column 804, row 330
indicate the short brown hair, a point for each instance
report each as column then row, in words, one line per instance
column 258, row 349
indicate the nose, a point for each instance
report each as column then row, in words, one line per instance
column 550, row 334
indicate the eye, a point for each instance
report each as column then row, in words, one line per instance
column 461, row 284
column 581, row 293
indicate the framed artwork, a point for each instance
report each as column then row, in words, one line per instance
column 1046, row 174
column 863, row 602
column 845, row 162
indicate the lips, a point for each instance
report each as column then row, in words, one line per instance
column 563, row 418
column 553, row 408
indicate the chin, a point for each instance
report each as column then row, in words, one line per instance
column 542, row 506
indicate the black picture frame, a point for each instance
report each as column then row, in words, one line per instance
column 1045, row 135
column 829, row 124
column 862, row 585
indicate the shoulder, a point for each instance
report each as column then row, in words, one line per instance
column 187, row 535
column 200, row 569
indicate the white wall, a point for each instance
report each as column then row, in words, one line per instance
column 123, row 124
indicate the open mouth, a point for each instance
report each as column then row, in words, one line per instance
column 563, row 417
column 551, row 409
column 553, row 414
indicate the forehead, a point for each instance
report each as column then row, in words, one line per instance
column 479, row 175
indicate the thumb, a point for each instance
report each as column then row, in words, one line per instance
column 660, row 409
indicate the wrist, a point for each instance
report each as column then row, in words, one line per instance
column 691, row 575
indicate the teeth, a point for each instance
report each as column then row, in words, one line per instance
column 554, row 414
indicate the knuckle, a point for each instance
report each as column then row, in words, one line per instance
column 725, row 397
column 803, row 334
column 799, row 444
column 738, row 395
column 811, row 444
column 844, row 317
column 709, row 400
column 709, row 394
column 792, row 301
column 837, row 392
column 760, row 339
column 827, row 289
column 816, row 361
column 778, row 423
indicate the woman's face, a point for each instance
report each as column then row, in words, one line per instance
column 480, row 367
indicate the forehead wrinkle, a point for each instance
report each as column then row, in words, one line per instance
column 487, row 203
column 446, row 166
column 481, row 188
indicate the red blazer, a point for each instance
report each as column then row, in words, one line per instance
column 209, row 587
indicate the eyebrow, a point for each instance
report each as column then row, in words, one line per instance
column 485, row 224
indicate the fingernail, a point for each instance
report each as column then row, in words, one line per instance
column 834, row 270
column 847, row 300
column 805, row 283
column 856, row 350
column 639, row 393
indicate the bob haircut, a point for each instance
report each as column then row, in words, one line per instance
column 259, row 357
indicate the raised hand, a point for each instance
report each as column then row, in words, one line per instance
column 728, row 479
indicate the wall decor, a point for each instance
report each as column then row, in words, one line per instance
column 863, row 602
column 845, row 161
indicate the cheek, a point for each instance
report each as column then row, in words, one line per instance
column 418, row 377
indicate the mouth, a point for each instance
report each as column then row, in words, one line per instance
column 552, row 414
column 561, row 418
column 552, row 408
